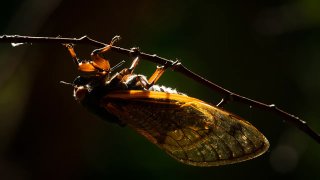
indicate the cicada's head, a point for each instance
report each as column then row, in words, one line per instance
column 83, row 85
column 96, row 86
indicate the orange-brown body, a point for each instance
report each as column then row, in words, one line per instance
column 190, row 130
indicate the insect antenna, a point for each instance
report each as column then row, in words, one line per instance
column 67, row 83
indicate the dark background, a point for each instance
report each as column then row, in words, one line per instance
column 266, row 50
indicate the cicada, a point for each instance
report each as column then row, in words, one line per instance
column 190, row 130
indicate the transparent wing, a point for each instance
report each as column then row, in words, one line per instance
column 190, row 130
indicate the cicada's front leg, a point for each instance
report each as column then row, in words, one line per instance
column 97, row 63
column 83, row 65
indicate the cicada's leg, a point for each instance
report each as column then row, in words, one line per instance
column 83, row 65
column 143, row 81
column 72, row 53
column 153, row 79
column 134, row 64
column 159, row 71
column 156, row 75
column 99, row 62
column 148, row 83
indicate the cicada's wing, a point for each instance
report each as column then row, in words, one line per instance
column 190, row 130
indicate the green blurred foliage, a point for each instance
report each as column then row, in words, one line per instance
column 266, row 50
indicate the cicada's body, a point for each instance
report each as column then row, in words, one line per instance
column 190, row 130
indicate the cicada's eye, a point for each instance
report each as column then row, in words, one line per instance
column 82, row 86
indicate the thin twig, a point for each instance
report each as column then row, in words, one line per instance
column 178, row 67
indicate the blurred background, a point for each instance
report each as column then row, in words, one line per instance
column 265, row 50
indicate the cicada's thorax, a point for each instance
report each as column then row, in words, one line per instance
column 89, row 91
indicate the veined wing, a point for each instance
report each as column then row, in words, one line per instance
column 189, row 130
